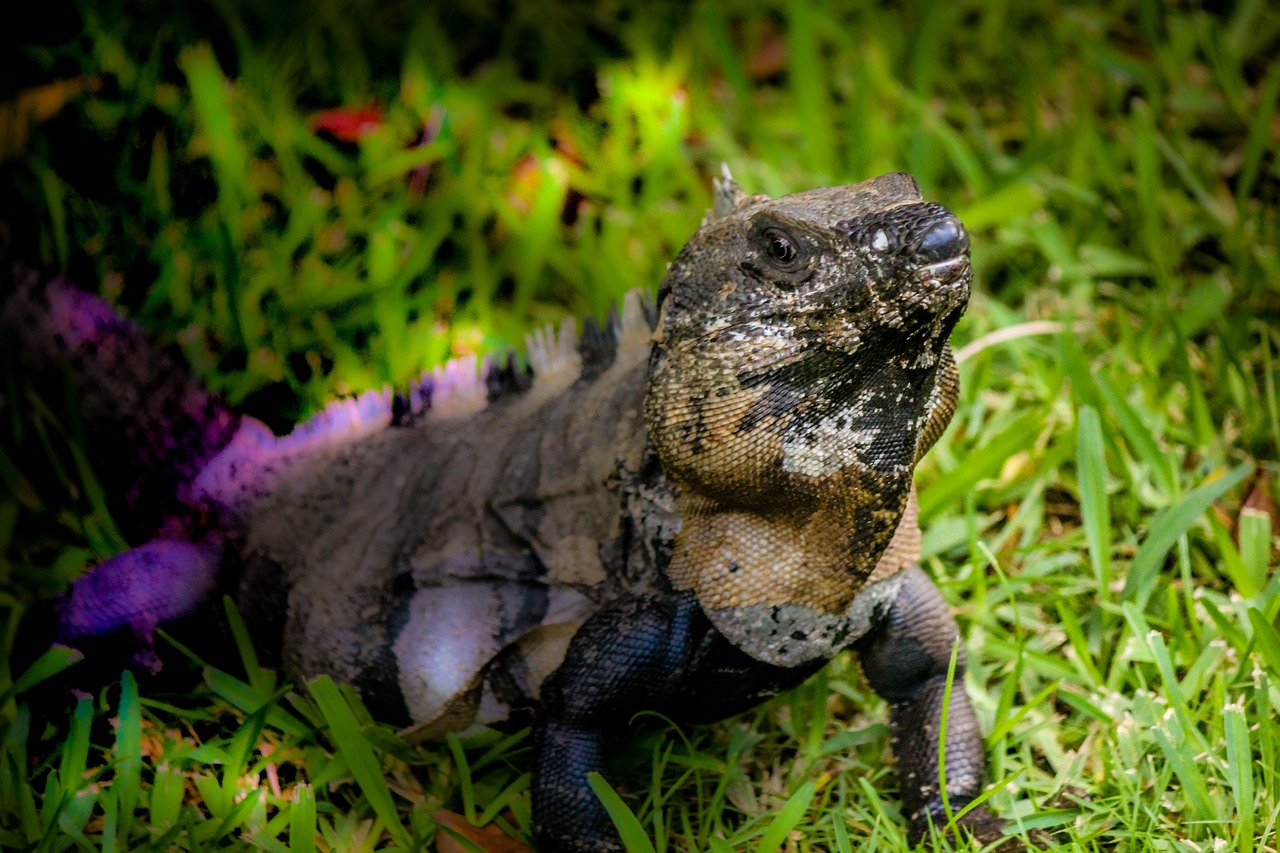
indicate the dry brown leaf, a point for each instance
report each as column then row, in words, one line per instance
column 489, row 838
column 771, row 54
column 34, row 106
column 1260, row 499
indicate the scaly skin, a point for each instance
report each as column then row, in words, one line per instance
column 688, row 512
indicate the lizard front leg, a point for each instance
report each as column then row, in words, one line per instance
column 625, row 659
column 656, row 652
column 906, row 661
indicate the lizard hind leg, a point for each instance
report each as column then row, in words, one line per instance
column 137, row 591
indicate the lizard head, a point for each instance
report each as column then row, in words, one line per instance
column 800, row 368
column 870, row 267
column 801, row 339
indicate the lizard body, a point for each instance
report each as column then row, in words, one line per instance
column 686, row 512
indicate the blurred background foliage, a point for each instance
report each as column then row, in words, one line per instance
column 308, row 199
column 518, row 160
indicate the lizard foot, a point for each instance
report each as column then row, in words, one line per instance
column 982, row 827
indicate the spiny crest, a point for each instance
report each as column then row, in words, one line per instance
column 341, row 420
column 554, row 355
column 639, row 317
column 729, row 197
column 457, row 388
column 453, row 390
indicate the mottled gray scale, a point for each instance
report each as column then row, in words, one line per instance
column 779, row 400
column 515, row 502
column 509, row 679
column 497, row 519
column 379, row 682
column 792, row 634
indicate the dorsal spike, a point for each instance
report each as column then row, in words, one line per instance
column 553, row 355
column 506, row 377
column 597, row 346
column 458, row 388
column 635, row 326
column 728, row 197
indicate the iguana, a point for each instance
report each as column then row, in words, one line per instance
column 688, row 509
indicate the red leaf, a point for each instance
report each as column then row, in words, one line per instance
column 347, row 124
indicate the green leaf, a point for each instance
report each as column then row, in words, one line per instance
column 1240, row 773
column 1136, row 434
column 786, row 819
column 49, row 664
column 464, row 777
column 1266, row 638
column 983, row 462
column 168, row 786
column 1091, row 465
column 250, row 700
column 1255, row 548
column 128, row 757
column 1171, row 523
column 263, row 681
column 350, row 741
column 634, row 838
column 302, row 820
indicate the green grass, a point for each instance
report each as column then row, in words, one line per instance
column 1101, row 512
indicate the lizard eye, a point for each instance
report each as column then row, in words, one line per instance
column 781, row 248
column 781, row 255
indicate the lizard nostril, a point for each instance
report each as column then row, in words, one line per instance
column 944, row 240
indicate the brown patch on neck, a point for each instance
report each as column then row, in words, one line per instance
column 904, row 549
column 820, row 559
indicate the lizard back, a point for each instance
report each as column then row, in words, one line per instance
column 443, row 566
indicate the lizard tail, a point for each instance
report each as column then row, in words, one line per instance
column 150, row 427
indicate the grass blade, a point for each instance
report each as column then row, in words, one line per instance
column 250, row 700
column 49, row 664
column 786, row 819
column 261, row 680
column 128, row 756
column 1168, row 525
column 1266, row 638
column 980, row 464
column 355, row 748
column 634, row 838
column 302, row 820
column 1091, row 466
column 1240, row 773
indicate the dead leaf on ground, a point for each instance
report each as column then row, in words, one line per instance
column 1260, row 499
column 489, row 838
column 35, row 106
